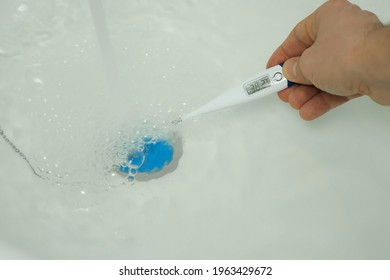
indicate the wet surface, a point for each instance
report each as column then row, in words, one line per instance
column 255, row 177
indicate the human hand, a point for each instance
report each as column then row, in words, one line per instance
column 332, row 55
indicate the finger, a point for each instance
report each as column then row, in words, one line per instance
column 301, row 94
column 299, row 39
column 321, row 103
column 292, row 70
column 283, row 95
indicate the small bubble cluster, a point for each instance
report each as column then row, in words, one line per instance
column 150, row 155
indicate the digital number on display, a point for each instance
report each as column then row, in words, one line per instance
column 257, row 85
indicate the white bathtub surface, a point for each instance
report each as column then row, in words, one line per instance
column 254, row 182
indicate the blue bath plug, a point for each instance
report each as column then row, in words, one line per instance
column 157, row 155
column 153, row 158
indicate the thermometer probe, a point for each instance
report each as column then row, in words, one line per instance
column 155, row 156
column 265, row 83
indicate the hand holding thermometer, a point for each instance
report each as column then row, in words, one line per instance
column 268, row 82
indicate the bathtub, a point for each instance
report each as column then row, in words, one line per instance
column 252, row 182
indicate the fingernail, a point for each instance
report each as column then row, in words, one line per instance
column 290, row 68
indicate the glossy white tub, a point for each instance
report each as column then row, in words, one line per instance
column 256, row 182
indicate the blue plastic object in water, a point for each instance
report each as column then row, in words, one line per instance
column 153, row 158
column 157, row 155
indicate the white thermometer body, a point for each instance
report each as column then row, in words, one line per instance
column 265, row 83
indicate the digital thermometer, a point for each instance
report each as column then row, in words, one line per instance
column 268, row 82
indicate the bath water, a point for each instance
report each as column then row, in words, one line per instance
column 257, row 178
column 56, row 112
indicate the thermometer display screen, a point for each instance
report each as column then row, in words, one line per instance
column 257, row 85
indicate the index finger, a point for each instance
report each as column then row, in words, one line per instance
column 300, row 38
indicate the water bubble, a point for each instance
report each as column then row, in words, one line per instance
column 38, row 81
column 147, row 139
column 136, row 158
column 23, row 8
column 131, row 178
column 133, row 171
column 123, row 168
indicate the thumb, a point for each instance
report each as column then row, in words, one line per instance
column 293, row 72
